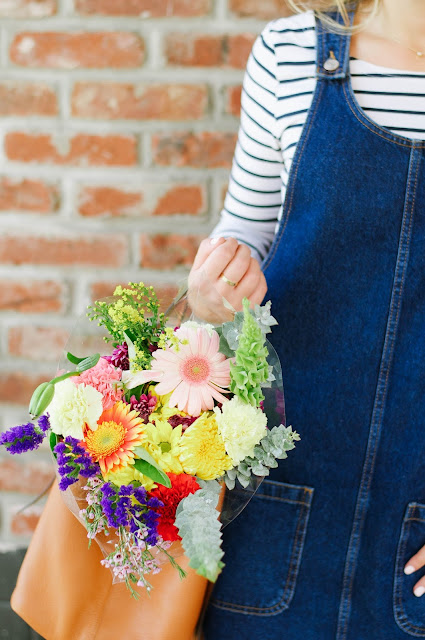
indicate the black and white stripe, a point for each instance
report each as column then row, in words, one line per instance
column 278, row 85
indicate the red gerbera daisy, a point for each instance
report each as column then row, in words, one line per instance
column 181, row 486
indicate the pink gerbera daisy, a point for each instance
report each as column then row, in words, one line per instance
column 196, row 373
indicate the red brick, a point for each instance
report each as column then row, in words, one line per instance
column 238, row 49
column 185, row 149
column 159, row 200
column 145, row 8
column 27, row 8
column 109, row 202
column 17, row 387
column 233, row 100
column 264, row 10
column 112, row 100
column 24, row 524
column 37, row 343
column 27, row 99
column 166, row 251
column 38, row 296
column 80, row 150
column 24, row 477
column 75, row 50
column 86, row 250
column 206, row 50
column 165, row 292
column 181, row 199
column 197, row 51
column 28, row 195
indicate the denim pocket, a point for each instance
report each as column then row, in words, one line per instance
column 263, row 549
column 409, row 611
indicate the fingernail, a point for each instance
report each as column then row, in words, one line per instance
column 409, row 569
column 419, row 591
column 214, row 240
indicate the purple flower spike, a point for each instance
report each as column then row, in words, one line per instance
column 22, row 438
column 73, row 461
column 43, row 423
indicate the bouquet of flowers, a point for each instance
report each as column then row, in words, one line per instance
column 146, row 439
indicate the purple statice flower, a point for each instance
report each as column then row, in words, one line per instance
column 120, row 509
column 185, row 421
column 73, row 461
column 119, row 357
column 22, row 438
column 66, row 482
column 44, row 423
column 145, row 405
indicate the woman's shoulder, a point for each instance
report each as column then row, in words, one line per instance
column 298, row 30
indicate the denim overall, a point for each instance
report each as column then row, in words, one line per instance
column 319, row 552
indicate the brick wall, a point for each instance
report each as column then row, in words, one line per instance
column 118, row 125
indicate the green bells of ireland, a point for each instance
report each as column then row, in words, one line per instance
column 250, row 370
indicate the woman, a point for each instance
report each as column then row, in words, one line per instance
column 331, row 145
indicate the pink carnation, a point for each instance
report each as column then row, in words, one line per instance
column 102, row 377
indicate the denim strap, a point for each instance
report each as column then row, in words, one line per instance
column 333, row 49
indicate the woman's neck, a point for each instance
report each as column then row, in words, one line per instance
column 403, row 19
column 392, row 37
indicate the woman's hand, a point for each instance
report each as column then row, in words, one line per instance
column 230, row 273
column 414, row 564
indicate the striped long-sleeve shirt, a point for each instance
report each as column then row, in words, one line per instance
column 277, row 92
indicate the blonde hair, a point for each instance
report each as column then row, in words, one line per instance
column 321, row 7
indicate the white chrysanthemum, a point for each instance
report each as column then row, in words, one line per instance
column 73, row 406
column 241, row 426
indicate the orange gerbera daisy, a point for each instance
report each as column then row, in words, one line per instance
column 119, row 431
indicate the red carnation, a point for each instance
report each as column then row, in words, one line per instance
column 181, row 486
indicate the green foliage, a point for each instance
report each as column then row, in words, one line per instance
column 250, row 370
column 264, row 318
column 88, row 363
column 53, row 440
column 149, row 467
column 200, row 530
column 273, row 447
column 132, row 316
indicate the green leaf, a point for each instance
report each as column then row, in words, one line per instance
column 224, row 348
column 74, row 359
column 200, row 530
column 150, row 468
column 88, row 363
column 53, row 440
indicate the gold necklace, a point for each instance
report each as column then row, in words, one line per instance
column 419, row 54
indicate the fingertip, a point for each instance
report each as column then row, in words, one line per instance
column 409, row 569
column 215, row 240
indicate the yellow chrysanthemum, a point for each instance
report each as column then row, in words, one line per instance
column 128, row 474
column 163, row 444
column 202, row 451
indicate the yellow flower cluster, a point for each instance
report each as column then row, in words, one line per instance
column 169, row 339
column 124, row 314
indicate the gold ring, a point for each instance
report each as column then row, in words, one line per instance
column 227, row 281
